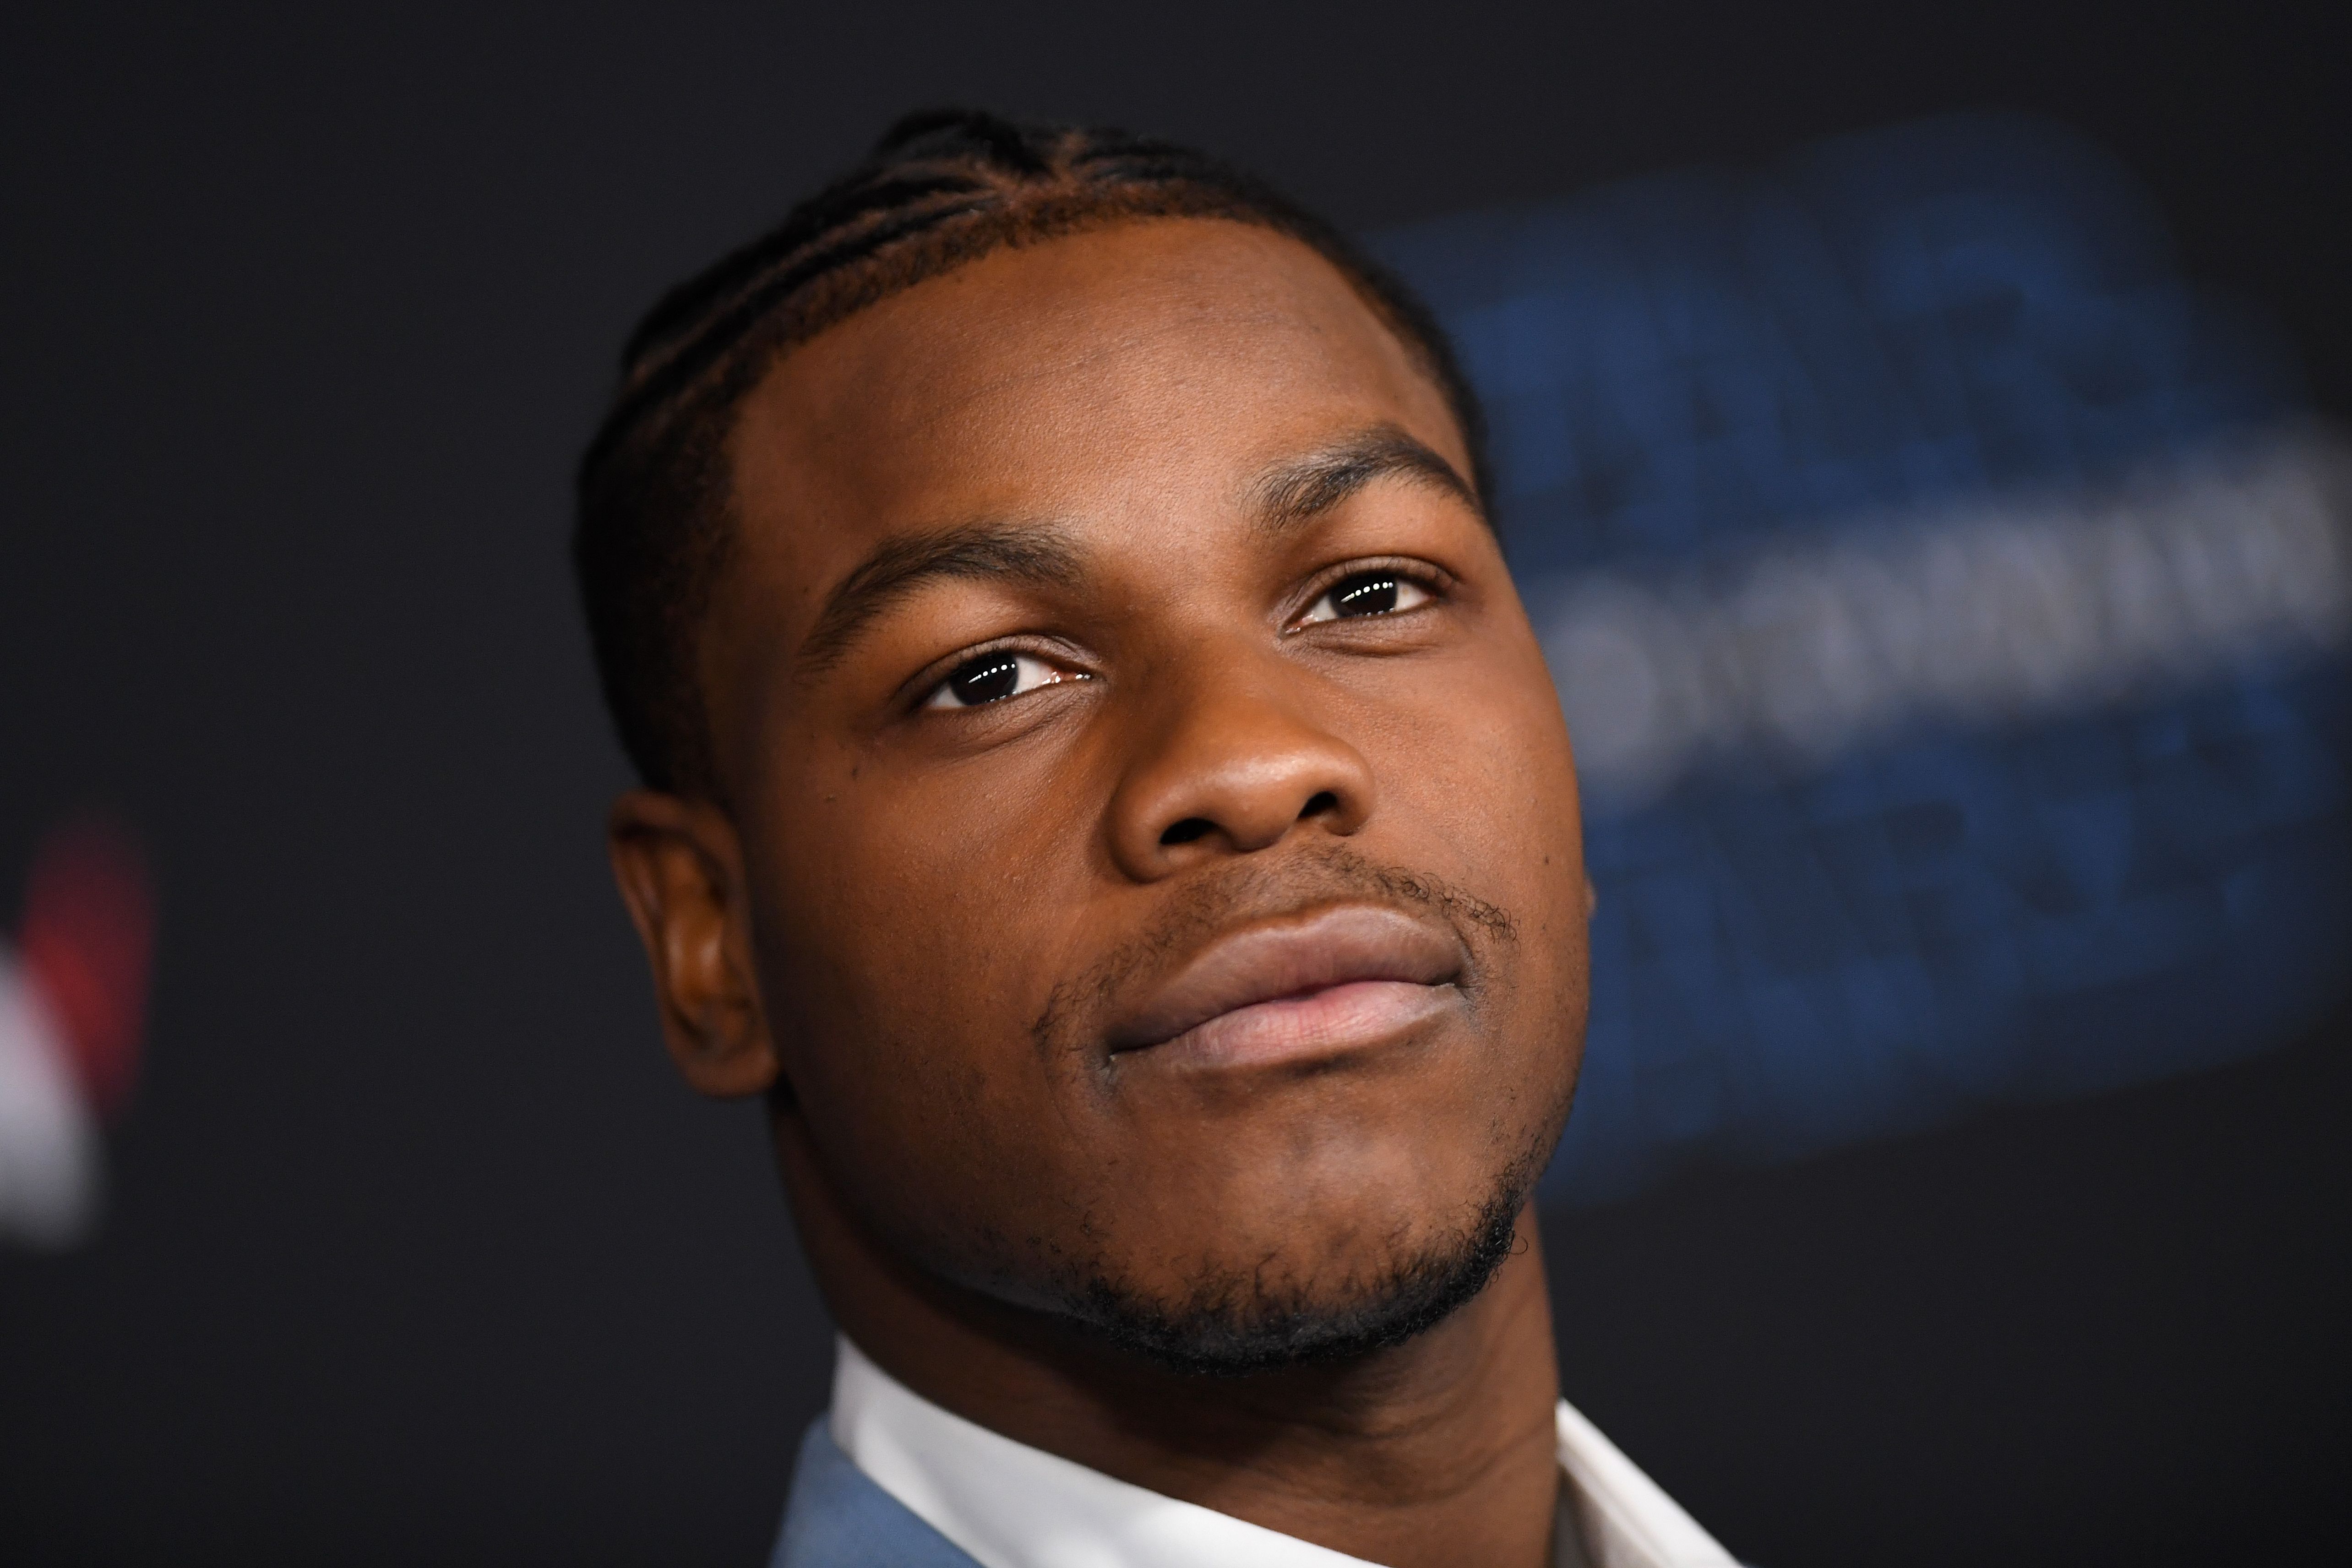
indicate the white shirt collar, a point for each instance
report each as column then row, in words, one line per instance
column 1011, row 1506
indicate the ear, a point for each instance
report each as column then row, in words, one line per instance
column 681, row 866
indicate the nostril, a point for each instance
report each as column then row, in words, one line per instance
column 1320, row 805
column 1186, row 831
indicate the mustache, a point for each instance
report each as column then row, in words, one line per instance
column 1251, row 891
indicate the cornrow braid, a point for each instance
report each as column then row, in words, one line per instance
column 941, row 188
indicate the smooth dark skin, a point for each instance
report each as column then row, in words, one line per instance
column 918, row 926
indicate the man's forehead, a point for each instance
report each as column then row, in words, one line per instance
column 1034, row 377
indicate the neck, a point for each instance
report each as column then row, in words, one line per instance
column 1437, row 1451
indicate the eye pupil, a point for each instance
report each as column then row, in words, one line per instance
column 991, row 678
column 1373, row 594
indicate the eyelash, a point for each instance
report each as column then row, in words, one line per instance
column 1007, row 658
column 1433, row 586
column 1000, row 658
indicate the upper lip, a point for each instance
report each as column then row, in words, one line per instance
column 1332, row 946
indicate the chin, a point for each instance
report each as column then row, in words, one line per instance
column 1327, row 1264
column 1235, row 1315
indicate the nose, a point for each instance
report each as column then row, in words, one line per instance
column 1231, row 765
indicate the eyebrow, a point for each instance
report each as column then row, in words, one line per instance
column 1036, row 553
column 1288, row 495
column 1300, row 489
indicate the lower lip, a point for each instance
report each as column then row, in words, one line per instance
column 1329, row 1021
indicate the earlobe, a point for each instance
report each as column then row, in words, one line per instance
column 680, row 868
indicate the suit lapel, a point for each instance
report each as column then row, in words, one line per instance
column 837, row 1518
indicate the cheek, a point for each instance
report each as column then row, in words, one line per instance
column 909, row 951
column 1482, row 760
column 1480, row 787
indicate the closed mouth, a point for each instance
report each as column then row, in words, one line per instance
column 1341, row 975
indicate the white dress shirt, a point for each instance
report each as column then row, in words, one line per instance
column 1012, row 1506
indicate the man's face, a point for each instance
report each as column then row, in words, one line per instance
column 1161, row 840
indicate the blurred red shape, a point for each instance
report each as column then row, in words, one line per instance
column 88, row 938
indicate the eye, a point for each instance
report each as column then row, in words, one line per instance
column 993, row 677
column 1378, row 592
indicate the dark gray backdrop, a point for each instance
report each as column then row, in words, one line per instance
column 417, row 1250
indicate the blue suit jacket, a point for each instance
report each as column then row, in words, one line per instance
column 837, row 1518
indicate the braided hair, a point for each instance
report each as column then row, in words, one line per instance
column 941, row 188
